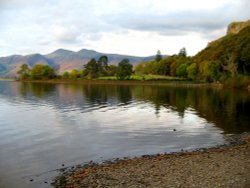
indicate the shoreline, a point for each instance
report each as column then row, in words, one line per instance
column 222, row 166
column 175, row 83
column 160, row 82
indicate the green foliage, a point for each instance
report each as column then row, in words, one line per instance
column 204, row 70
column 178, row 61
column 181, row 71
column 211, row 71
column 74, row 74
column 244, row 60
column 215, row 70
column 149, row 77
column 40, row 71
column 65, row 75
column 169, row 66
column 102, row 66
column 124, row 70
column 23, row 72
column 91, row 69
column 111, row 70
column 192, row 71
column 103, row 61
column 37, row 72
column 95, row 69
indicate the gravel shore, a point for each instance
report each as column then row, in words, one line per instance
column 225, row 166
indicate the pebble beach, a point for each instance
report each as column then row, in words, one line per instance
column 224, row 166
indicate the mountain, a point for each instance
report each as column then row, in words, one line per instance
column 62, row 60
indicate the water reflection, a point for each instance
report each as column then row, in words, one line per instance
column 227, row 109
column 36, row 89
column 45, row 125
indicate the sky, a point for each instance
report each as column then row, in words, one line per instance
column 129, row 27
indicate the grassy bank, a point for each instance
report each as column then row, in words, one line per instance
column 146, row 78
column 133, row 80
column 241, row 82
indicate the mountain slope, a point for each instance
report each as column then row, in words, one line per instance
column 227, row 56
column 61, row 59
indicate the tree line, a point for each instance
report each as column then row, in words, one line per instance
column 91, row 70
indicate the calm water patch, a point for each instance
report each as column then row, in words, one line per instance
column 43, row 126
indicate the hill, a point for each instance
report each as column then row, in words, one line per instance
column 61, row 59
column 225, row 60
column 228, row 56
column 236, row 27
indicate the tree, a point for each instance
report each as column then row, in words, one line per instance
column 112, row 70
column 74, row 74
column 65, row 75
column 158, row 56
column 124, row 69
column 103, row 61
column 40, row 71
column 102, row 65
column 230, row 64
column 23, row 72
column 244, row 62
column 192, row 71
column 182, row 52
column 181, row 70
column 91, row 68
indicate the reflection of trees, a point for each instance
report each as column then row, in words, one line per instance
column 95, row 94
column 124, row 94
column 228, row 109
column 102, row 93
column 163, row 97
column 36, row 89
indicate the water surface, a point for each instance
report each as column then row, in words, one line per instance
column 45, row 126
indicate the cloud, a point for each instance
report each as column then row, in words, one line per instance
column 66, row 34
column 180, row 22
column 44, row 25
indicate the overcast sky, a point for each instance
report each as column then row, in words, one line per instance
column 133, row 27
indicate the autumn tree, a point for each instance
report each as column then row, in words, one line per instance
column 192, row 71
column 74, row 74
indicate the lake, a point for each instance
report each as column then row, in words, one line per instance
column 44, row 127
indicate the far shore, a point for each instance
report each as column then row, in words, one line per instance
column 160, row 82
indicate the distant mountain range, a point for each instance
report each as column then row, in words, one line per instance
column 61, row 59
